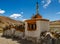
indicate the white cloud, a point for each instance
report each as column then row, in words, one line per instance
column 43, row 1
column 2, row 11
column 24, row 19
column 58, row 13
column 21, row 12
column 15, row 15
column 59, row 1
column 18, row 17
column 46, row 3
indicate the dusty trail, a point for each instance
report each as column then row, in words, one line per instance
column 7, row 41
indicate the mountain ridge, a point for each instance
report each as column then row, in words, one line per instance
column 8, row 21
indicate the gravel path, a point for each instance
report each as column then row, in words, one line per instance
column 7, row 41
column 4, row 40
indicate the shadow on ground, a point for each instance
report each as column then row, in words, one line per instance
column 20, row 41
column 25, row 42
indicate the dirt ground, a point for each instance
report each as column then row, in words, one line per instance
column 4, row 40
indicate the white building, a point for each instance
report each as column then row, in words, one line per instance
column 35, row 26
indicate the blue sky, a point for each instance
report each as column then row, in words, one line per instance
column 24, row 9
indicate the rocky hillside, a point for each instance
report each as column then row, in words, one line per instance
column 55, row 22
column 8, row 21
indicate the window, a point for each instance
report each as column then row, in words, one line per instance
column 34, row 26
column 31, row 26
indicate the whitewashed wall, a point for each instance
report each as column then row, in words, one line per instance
column 41, row 26
column 18, row 34
column 7, row 32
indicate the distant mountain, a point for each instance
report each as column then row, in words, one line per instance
column 8, row 21
column 55, row 22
